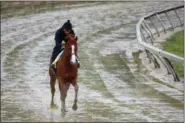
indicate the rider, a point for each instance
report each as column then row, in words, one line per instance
column 60, row 37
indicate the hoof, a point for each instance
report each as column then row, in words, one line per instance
column 63, row 110
column 63, row 113
column 75, row 107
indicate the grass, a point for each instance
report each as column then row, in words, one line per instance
column 175, row 45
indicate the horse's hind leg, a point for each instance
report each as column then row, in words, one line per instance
column 76, row 87
column 52, row 86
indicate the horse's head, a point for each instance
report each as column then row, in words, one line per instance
column 71, row 48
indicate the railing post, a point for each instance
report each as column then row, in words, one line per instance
column 176, row 78
column 152, row 58
column 156, row 64
column 161, row 22
column 154, row 26
column 162, row 60
column 178, row 17
column 169, row 20
column 148, row 28
column 143, row 35
column 147, row 32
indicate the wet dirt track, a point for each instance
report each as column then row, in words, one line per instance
column 112, row 86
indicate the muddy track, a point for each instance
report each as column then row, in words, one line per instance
column 113, row 86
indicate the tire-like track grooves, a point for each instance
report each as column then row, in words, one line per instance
column 111, row 88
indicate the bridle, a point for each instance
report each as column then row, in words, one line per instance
column 73, row 59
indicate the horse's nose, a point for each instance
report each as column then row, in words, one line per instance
column 73, row 59
column 73, row 62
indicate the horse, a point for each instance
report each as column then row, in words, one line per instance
column 66, row 72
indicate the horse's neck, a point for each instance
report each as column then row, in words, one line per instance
column 66, row 59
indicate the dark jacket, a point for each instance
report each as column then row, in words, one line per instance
column 60, row 35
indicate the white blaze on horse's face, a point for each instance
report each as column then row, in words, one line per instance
column 73, row 57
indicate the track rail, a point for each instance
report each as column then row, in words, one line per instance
column 156, row 23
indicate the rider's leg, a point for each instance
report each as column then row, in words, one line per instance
column 56, row 51
column 51, row 67
column 54, row 54
column 57, row 58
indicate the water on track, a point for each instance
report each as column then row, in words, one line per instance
column 112, row 86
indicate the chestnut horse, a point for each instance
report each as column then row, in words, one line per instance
column 66, row 72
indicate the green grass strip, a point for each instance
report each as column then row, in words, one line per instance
column 175, row 45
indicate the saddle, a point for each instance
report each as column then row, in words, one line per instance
column 57, row 58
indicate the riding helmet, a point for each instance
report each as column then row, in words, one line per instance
column 67, row 25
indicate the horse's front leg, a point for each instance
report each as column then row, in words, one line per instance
column 76, row 87
column 52, row 86
column 62, row 94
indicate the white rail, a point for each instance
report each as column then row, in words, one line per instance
column 144, row 40
column 155, row 50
